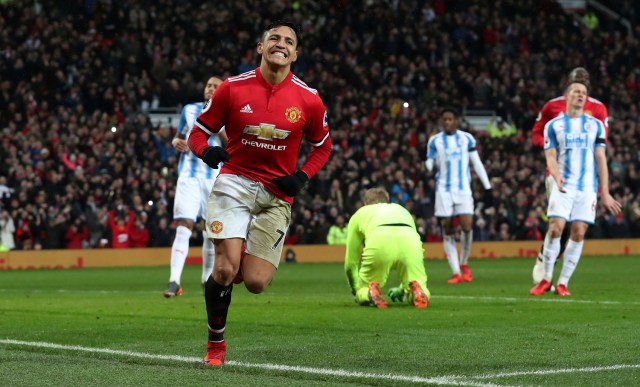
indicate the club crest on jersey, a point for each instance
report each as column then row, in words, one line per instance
column 293, row 114
column 266, row 132
column 216, row 227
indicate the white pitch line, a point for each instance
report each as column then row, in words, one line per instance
column 536, row 299
column 555, row 371
column 443, row 380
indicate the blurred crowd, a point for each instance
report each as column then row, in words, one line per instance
column 84, row 167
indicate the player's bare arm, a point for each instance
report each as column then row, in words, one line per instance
column 551, row 155
column 608, row 201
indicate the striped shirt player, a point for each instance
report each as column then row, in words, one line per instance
column 556, row 106
column 195, row 180
column 453, row 150
column 574, row 147
column 552, row 109
column 189, row 165
column 453, row 154
column 575, row 141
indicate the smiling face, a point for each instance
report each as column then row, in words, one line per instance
column 279, row 46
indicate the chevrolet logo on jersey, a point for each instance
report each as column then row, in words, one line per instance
column 266, row 132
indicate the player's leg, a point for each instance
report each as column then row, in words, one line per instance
column 538, row 267
column 466, row 239
column 228, row 218
column 411, row 272
column 572, row 257
column 564, row 239
column 179, row 252
column 582, row 214
column 377, row 258
column 265, row 240
column 208, row 258
column 217, row 297
column 451, row 250
column 560, row 205
column 208, row 249
column 185, row 211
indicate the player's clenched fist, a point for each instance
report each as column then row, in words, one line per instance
column 214, row 155
column 292, row 184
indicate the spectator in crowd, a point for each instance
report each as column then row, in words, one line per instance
column 161, row 233
column 139, row 234
column 77, row 235
column 338, row 232
column 121, row 221
column 55, row 227
column 7, row 230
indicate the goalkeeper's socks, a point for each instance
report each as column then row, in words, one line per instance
column 217, row 298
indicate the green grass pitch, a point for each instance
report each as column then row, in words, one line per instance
column 113, row 327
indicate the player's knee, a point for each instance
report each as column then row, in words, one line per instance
column 577, row 235
column 224, row 273
column 555, row 231
column 255, row 285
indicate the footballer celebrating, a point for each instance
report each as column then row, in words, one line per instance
column 266, row 114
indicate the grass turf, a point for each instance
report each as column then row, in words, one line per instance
column 486, row 332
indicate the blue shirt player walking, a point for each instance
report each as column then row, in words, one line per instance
column 453, row 150
column 574, row 146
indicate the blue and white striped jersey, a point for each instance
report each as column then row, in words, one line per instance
column 575, row 140
column 451, row 153
column 189, row 165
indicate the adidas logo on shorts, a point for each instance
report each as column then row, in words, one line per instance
column 246, row 109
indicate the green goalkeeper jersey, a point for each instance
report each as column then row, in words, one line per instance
column 375, row 224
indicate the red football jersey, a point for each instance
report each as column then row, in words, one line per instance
column 558, row 105
column 265, row 125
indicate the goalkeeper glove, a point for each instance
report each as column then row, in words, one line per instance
column 292, row 184
column 214, row 155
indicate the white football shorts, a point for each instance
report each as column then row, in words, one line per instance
column 190, row 202
column 572, row 205
column 450, row 204
column 242, row 208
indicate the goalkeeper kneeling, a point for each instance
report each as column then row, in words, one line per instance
column 391, row 242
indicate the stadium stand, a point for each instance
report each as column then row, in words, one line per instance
column 80, row 80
